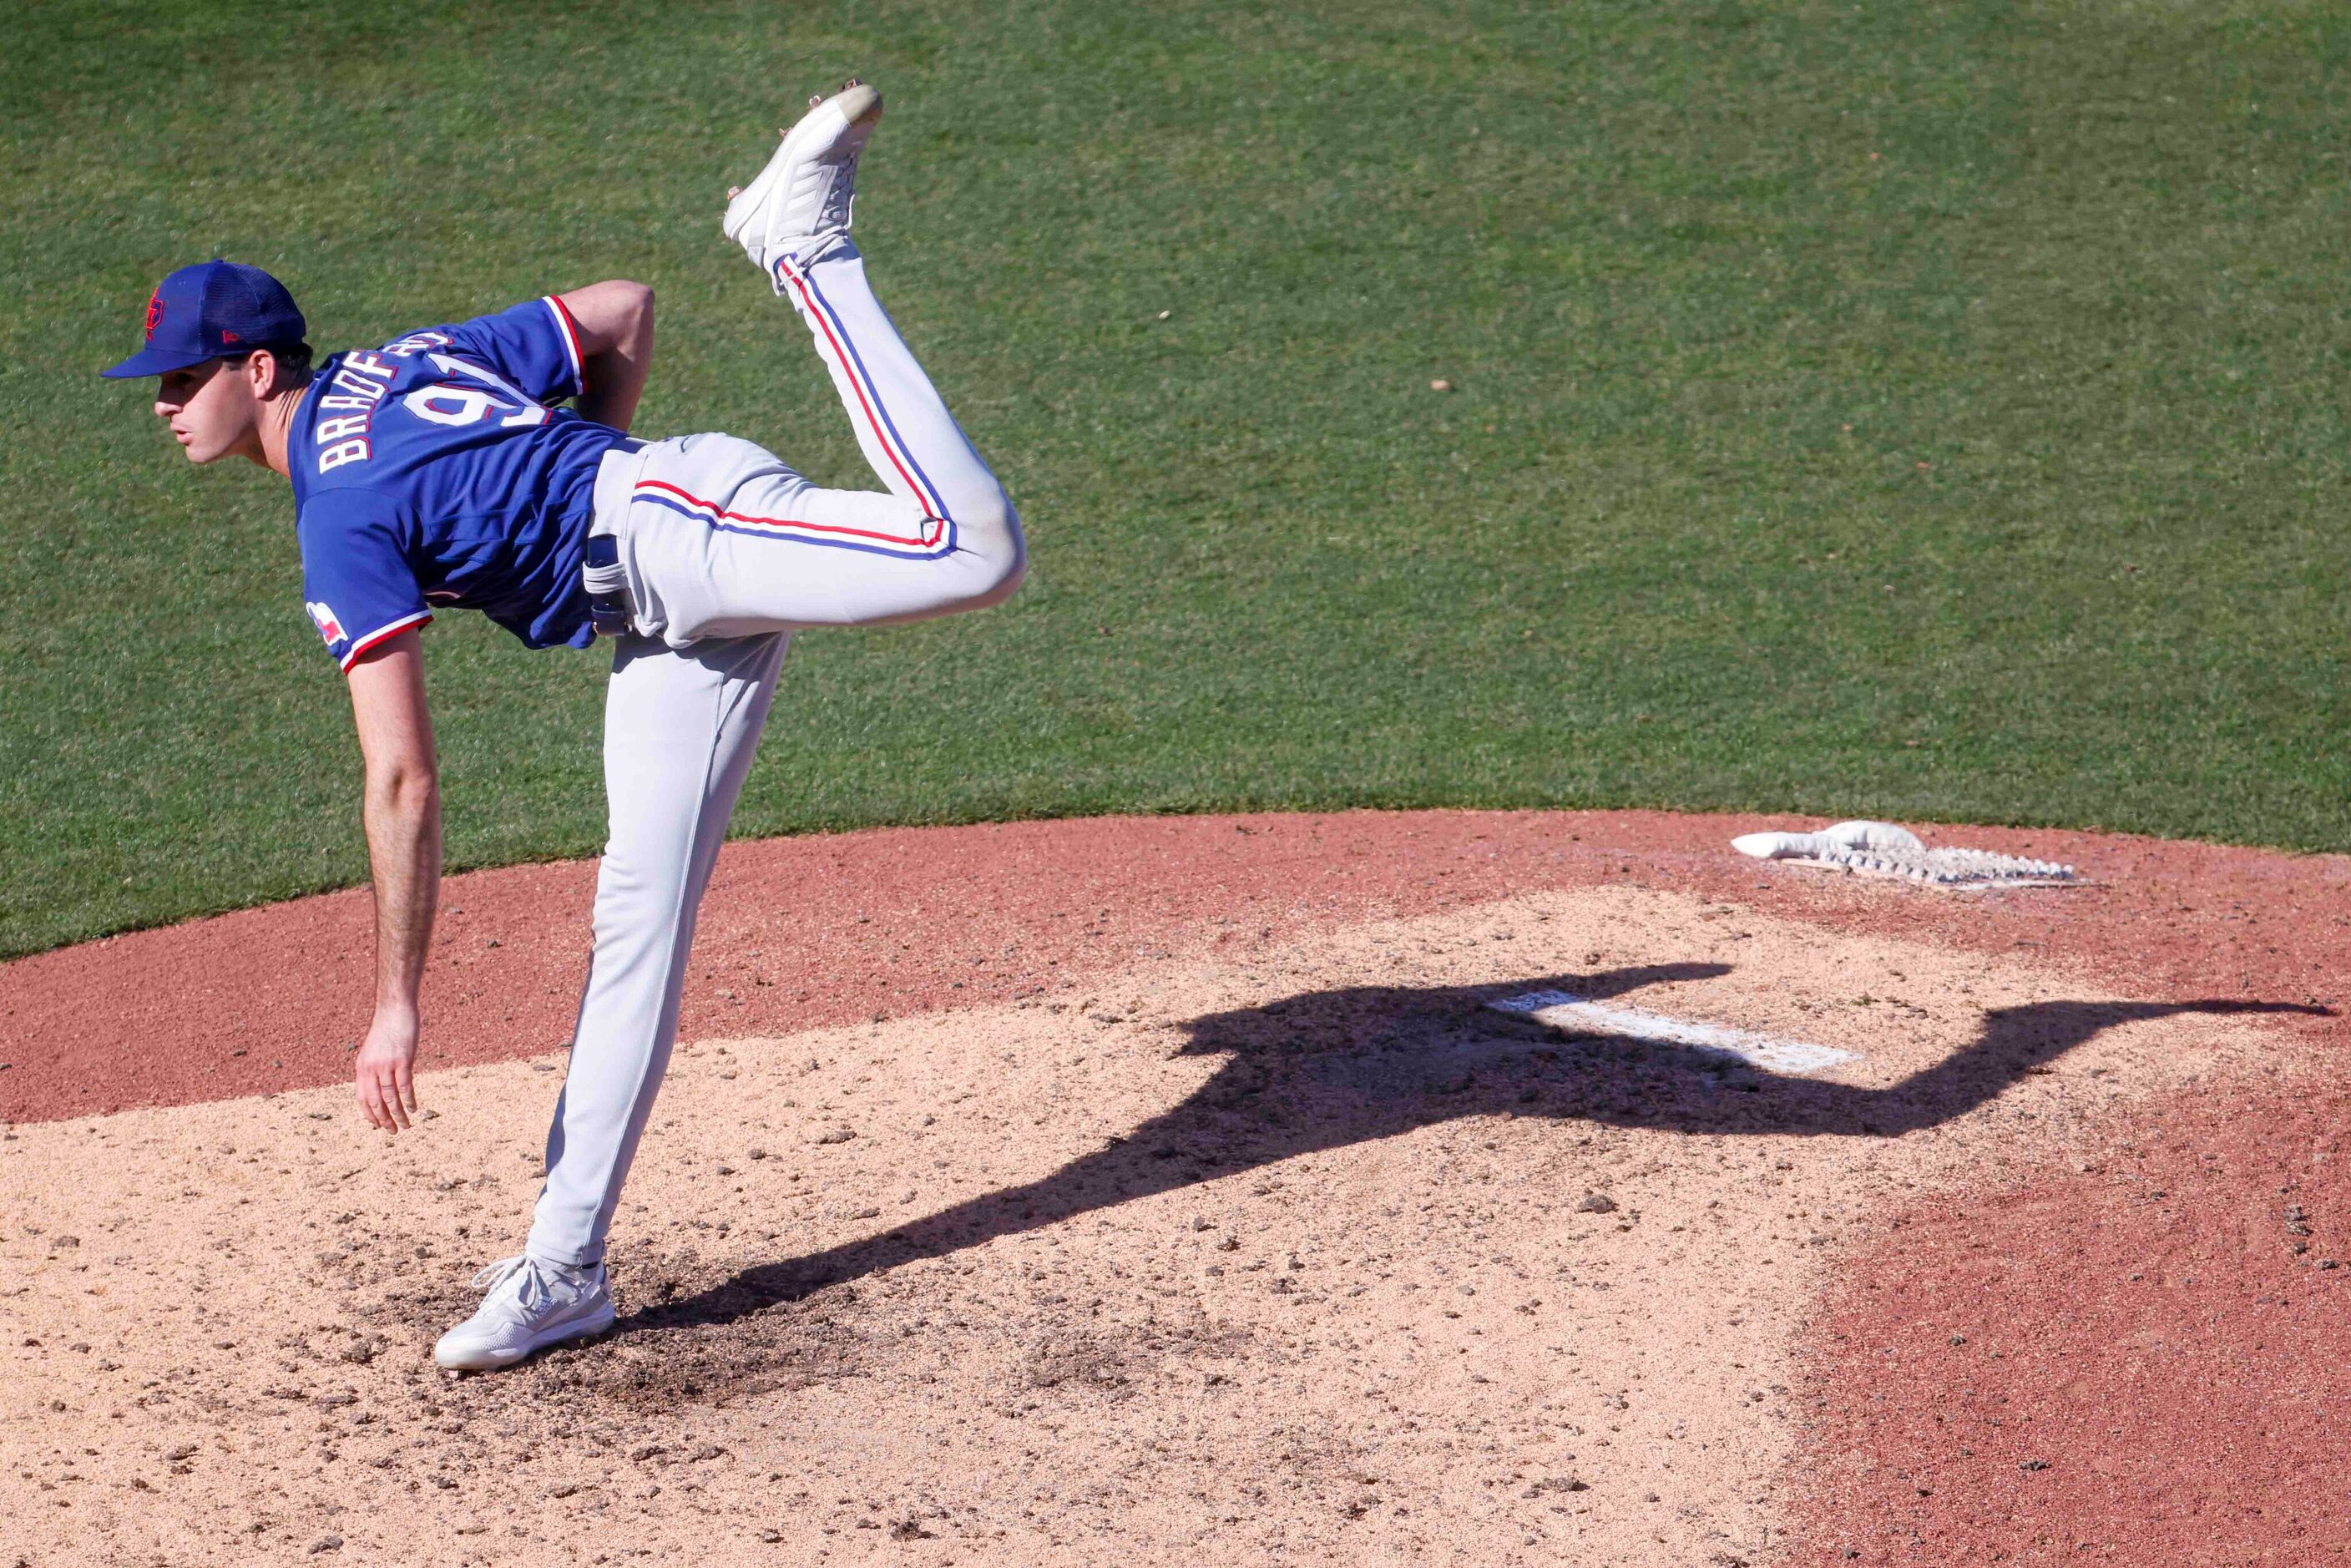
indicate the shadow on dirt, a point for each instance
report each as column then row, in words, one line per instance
column 1328, row 1069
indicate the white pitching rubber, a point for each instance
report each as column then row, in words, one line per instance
column 1572, row 1014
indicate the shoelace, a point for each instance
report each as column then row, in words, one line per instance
column 835, row 211
column 497, row 1273
column 531, row 1292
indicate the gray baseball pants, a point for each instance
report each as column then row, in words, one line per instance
column 726, row 551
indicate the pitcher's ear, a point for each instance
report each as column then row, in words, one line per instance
column 288, row 366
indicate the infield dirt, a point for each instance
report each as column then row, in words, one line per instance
column 1273, row 1244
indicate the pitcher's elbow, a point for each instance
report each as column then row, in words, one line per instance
column 404, row 790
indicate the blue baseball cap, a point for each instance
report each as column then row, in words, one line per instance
column 213, row 308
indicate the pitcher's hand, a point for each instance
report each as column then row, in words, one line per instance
column 386, row 1086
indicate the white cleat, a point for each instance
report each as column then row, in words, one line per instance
column 531, row 1304
column 802, row 199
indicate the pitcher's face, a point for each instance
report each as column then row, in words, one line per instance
column 210, row 407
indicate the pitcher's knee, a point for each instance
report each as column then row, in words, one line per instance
column 989, row 534
column 1005, row 581
column 982, row 511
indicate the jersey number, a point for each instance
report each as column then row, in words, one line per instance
column 470, row 405
column 464, row 405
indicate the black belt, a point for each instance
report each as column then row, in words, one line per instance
column 607, row 587
column 608, row 612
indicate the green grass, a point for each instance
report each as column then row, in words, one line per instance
column 1904, row 410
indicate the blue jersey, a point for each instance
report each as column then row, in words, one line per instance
column 434, row 471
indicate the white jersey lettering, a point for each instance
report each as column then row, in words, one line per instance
column 342, row 452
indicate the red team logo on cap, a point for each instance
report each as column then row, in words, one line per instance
column 154, row 310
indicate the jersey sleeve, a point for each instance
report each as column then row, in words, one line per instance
column 535, row 345
column 357, row 584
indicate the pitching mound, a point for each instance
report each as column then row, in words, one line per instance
column 1205, row 1205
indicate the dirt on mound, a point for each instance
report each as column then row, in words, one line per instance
column 808, row 932
column 1194, row 1200
column 2141, row 1358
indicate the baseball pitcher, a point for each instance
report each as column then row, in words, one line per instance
column 439, row 471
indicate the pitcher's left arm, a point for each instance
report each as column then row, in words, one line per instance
column 615, row 321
